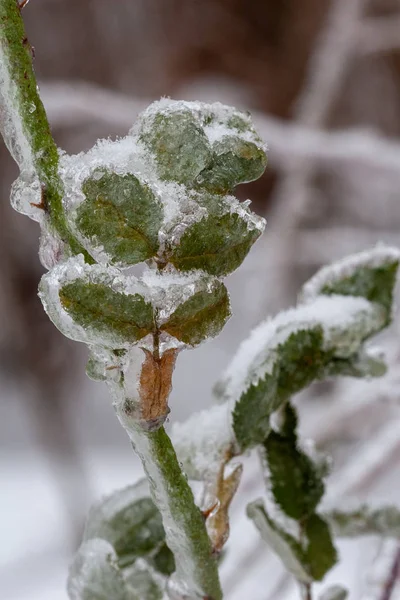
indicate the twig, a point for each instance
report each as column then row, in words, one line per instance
column 24, row 122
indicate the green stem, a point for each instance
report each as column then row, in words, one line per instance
column 26, row 131
column 196, row 569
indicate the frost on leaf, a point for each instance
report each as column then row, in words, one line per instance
column 370, row 275
column 282, row 543
column 203, row 315
column 309, row 559
column 96, row 305
column 295, row 483
column 144, row 583
column 129, row 520
column 209, row 146
column 122, row 214
column 219, row 242
column 285, row 354
column 203, row 440
column 364, row 520
column 94, row 574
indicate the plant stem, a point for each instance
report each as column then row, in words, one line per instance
column 24, row 123
column 186, row 534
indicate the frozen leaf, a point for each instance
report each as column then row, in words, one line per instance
column 383, row 521
column 176, row 139
column 96, row 305
column 219, row 242
column 295, row 483
column 122, row 214
column 334, row 592
column 366, row 363
column 131, row 523
column 320, row 553
column 371, row 275
column 251, row 415
column 234, row 161
column 94, row 574
column 203, row 315
column 203, row 440
column 283, row 544
column 143, row 582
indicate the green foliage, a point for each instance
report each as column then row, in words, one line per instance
column 373, row 283
column 295, row 483
column 383, row 521
column 121, row 214
column 203, row 315
column 320, row 553
column 220, row 241
column 282, row 543
column 129, row 520
column 334, row 592
column 179, row 145
column 97, row 307
column 94, row 574
column 251, row 415
column 299, row 360
column 234, row 161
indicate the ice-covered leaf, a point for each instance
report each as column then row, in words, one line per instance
column 96, row 305
column 295, row 482
column 144, row 583
column 251, row 415
column 282, row 543
column 334, row 592
column 173, row 133
column 366, row 363
column 219, row 242
column 129, row 520
column 208, row 146
column 202, row 441
column 235, row 160
column 94, row 574
column 371, row 275
column 203, row 315
column 285, row 354
column 122, row 214
column 383, row 521
column 320, row 553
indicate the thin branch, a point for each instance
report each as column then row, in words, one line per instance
column 23, row 119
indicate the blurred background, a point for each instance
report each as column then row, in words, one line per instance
column 322, row 80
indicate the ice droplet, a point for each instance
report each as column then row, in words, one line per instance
column 32, row 107
column 26, row 196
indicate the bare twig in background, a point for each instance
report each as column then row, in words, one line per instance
column 380, row 573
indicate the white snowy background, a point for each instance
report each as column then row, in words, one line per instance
column 335, row 155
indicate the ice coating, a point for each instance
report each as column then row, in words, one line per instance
column 74, row 269
column 11, row 125
column 94, row 573
column 217, row 119
column 201, row 442
column 334, row 592
column 145, row 582
column 26, row 196
column 376, row 257
column 345, row 320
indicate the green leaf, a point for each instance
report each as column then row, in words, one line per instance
column 235, row 160
column 383, row 521
column 295, row 483
column 320, row 553
column 129, row 520
column 143, row 583
column 251, row 415
column 298, row 361
column 94, row 574
column 374, row 284
column 282, row 543
column 220, row 241
column 120, row 214
column 97, row 307
column 201, row 316
column 371, row 275
column 178, row 143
